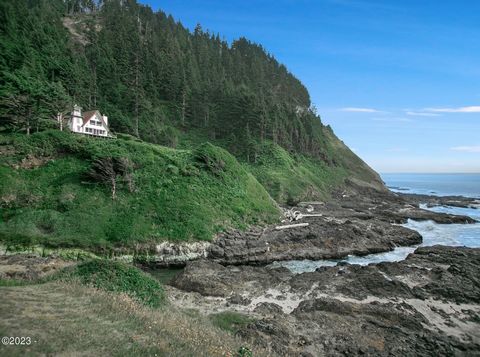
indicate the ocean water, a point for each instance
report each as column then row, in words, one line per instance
column 467, row 185
column 433, row 233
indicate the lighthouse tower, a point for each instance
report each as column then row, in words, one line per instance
column 76, row 119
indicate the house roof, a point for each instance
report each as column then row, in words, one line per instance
column 88, row 115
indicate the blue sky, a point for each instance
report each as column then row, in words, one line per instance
column 399, row 81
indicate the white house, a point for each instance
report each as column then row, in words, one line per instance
column 89, row 123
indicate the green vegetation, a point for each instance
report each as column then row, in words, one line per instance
column 48, row 196
column 160, row 84
column 14, row 282
column 292, row 178
column 230, row 321
column 155, row 79
column 118, row 277
column 149, row 73
column 237, row 129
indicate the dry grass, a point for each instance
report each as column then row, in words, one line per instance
column 69, row 319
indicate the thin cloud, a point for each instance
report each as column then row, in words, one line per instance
column 395, row 119
column 423, row 114
column 360, row 110
column 471, row 109
column 474, row 148
column 365, row 4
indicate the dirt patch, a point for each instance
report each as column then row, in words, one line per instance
column 29, row 267
column 32, row 162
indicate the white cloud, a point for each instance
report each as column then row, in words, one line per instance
column 360, row 110
column 471, row 109
column 394, row 119
column 474, row 148
column 422, row 114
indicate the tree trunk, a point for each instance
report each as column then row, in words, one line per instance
column 29, row 113
column 94, row 84
column 206, row 118
column 136, row 95
column 114, row 188
column 184, row 103
column 137, row 77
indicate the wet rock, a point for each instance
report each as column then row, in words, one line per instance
column 324, row 238
column 239, row 300
column 358, row 222
column 267, row 308
column 425, row 305
column 212, row 279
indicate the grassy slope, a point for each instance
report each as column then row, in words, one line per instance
column 71, row 319
column 293, row 178
column 289, row 179
column 100, row 307
column 343, row 157
column 180, row 194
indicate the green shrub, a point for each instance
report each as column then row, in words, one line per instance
column 244, row 352
column 230, row 321
column 118, row 277
column 212, row 158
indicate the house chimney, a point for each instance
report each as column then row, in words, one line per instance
column 105, row 119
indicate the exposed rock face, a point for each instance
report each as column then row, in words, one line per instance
column 323, row 238
column 174, row 254
column 428, row 304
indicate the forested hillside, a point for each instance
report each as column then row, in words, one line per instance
column 158, row 81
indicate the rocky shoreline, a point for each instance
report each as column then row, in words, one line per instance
column 351, row 224
column 428, row 304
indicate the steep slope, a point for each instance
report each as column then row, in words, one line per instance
column 56, row 190
column 166, row 85
column 160, row 84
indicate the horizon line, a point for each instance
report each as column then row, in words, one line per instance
column 430, row 173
